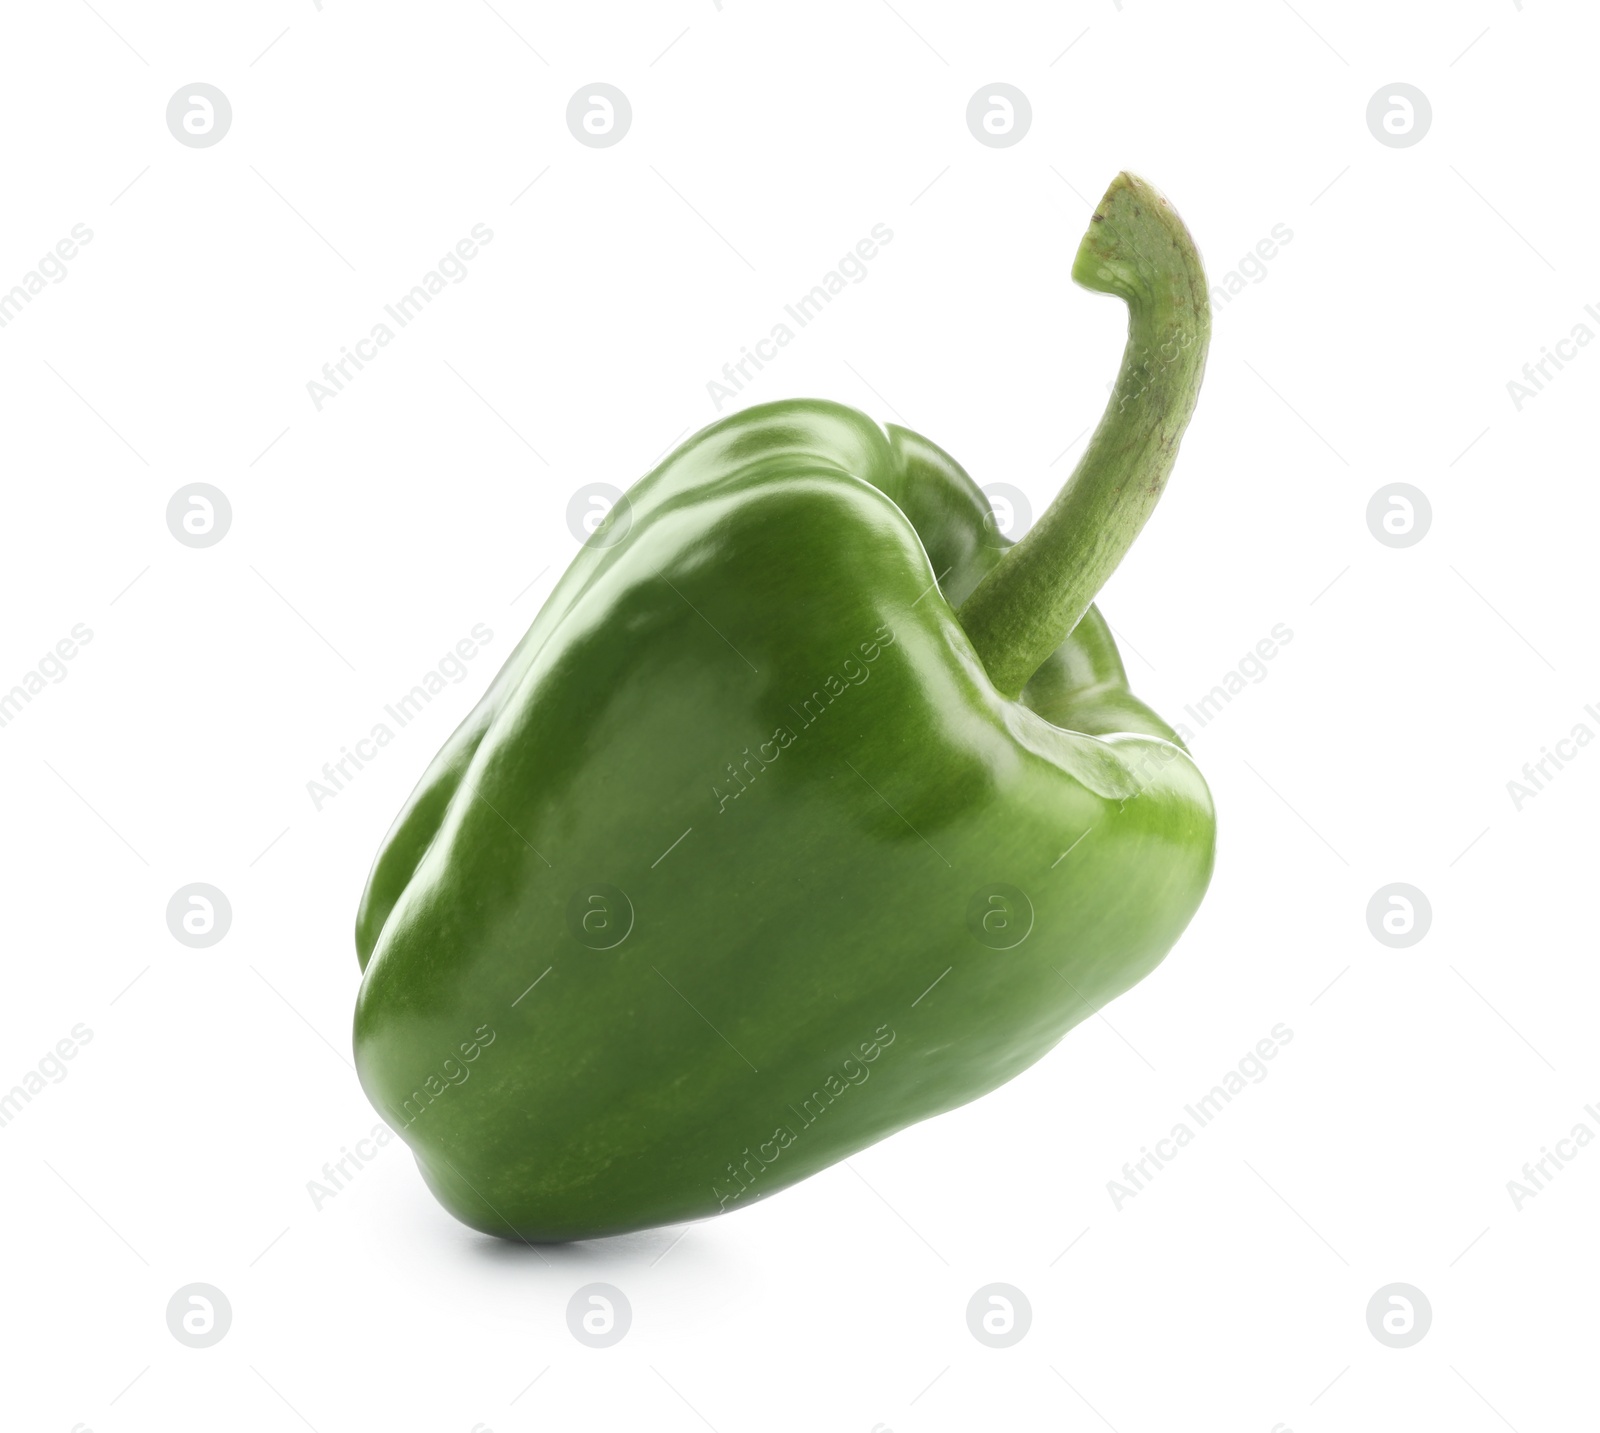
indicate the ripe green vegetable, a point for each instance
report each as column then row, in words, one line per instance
column 807, row 808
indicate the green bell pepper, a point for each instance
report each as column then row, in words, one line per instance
column 807, row 808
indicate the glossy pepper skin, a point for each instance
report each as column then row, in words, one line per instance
column 849, row 880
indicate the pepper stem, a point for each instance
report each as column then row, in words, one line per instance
column 1137, row 248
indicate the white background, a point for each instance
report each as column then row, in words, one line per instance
column 369, row 537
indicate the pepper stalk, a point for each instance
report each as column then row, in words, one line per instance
column 1137, row 248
